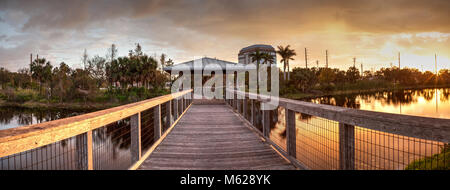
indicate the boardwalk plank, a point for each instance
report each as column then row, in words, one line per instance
column 212, row 137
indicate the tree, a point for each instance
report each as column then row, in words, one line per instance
column 84, row 59
column 112, row 53
column 268, row 59
column 96, row 67
column 162, row 61
column 257, row 56
column 62, row 80
column 4, row 77
column 303, row 78
column 352, row 74
column 41, row 70
column 327, row 76
column 286, row 54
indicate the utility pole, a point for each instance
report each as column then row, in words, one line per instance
column 306, row 58
column 435, row 64
column 31, row 62
column 317, row 63
column 435, row 68
column 398, row 60
column 354, row 62
column 326, row 55
column 362, row 73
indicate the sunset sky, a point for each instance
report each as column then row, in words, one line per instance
column 373, row 31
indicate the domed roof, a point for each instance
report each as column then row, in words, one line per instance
column 261, row 47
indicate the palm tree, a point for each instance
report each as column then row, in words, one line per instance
column 162, row 60
column 286, row 54
column 257, row 56
column 289, row 57
column 268, row 59
column 283, row 52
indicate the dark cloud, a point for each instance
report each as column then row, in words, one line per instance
column 214, row 27
column 238, row 16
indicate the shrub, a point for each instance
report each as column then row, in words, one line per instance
column 24, row 95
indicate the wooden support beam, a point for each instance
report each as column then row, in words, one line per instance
column 346, row 147
column 157, row 121
column 290, row 132
column 135, row 122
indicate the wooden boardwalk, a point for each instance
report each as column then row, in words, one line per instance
column 213, row 137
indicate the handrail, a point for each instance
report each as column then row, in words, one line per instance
column 436, row 129
column 24, row 138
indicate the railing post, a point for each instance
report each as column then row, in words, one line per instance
column 291, row 139
column 346, row 147
column 169, row 113
column 157, row 121
column 90, row 152
column 181, row 107
column 235, row 100
column 266, row 122
column 252, row 110
column 135, row 122
column 183, row 104
column 175, row 109
column 244, row 111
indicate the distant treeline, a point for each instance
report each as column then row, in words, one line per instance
column 327, row 79
column 109, row 78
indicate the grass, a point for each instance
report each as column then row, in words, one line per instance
column 440, row 161
column 28, row 98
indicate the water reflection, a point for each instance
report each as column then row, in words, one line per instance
column 111, row 143
column 424, row 102
column 318, row 138
column 11, row 117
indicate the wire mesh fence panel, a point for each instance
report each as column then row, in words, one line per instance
column 386, row 151
column 111, row 146
column 278, row 127
column 67, row 154
column 317, row 142
column 147, row 129
column 164, row 118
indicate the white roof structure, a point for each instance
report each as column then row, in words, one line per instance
column 206, row 64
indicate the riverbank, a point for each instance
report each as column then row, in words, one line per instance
column 316, row 93
column 67, row 106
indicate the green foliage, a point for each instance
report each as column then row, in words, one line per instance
column 303, row 79
column 3, row 97
column 440, row 161
column 24, row 95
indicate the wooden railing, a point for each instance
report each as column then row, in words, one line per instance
column 28, row 141
column 349, row 125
